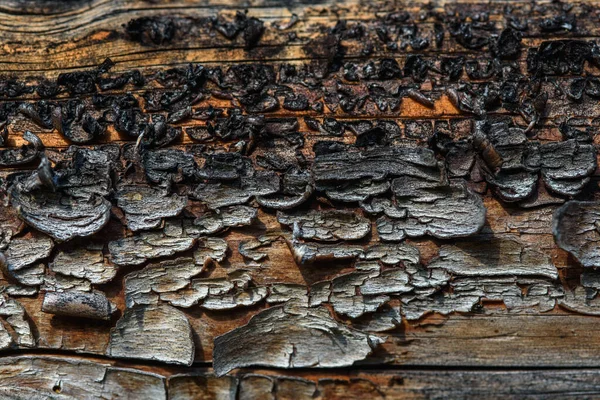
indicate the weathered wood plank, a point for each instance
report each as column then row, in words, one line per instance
column 75, row 377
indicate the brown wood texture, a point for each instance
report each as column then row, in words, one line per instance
column 515, row 314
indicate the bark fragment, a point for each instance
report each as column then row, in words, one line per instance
column 145, row 207
column 346, row 294
column 488, row 257
column 135, row 250
column 86, row 173
column 5, row 338
column 442, row 303
column 24, row 154
column 16, row 317
column 217, row 195
column 22, row 259
column 146, row 285
column 74, row 303
column 241, row 295
column 153, row 332
column 84, row 263
column 388, row 253
column 575, row 229
column 61, row 283
column 61, row 216
column 328, row 225
column 566, row 166
column 250, row 248
column 384, row 319
column 220, row 220
column 297, row 188
column 291, row 336
column 442, row 212
column 509, row 165
column 210, row 249
column 518, row 294
column 167, row 166
column 377, row 163
column 307, row 253
column 284, row 292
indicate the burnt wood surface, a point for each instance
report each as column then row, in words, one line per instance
column 320, row 200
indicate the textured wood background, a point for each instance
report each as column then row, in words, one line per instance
column 513, row 314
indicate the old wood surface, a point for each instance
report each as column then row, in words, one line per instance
column 145, row 282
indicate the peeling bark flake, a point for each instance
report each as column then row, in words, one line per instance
column 153, row 332
column 292, row 337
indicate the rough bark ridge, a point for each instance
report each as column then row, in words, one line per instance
column 191, row 188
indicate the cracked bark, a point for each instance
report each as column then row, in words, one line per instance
column 308, row 333
column 326, row 173
column 153, row 332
